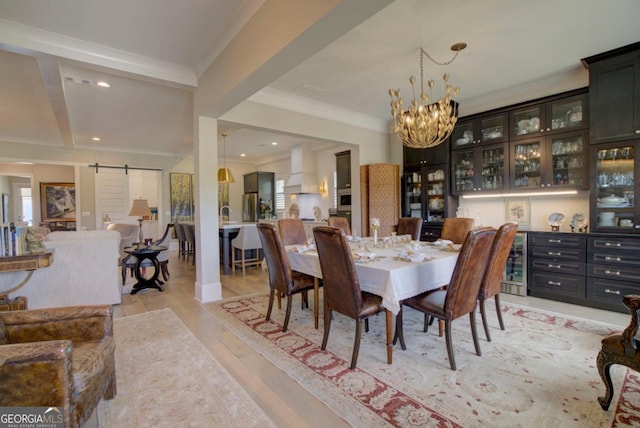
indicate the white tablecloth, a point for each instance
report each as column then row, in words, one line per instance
column 389, row 277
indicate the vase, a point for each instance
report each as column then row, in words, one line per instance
column 375, row 237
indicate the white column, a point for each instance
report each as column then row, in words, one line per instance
column 208, row 286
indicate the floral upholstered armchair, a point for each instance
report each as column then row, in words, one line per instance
column 58, row 357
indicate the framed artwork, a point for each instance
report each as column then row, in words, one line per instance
column 58, row 201
column 518, row 211
column 181, row 188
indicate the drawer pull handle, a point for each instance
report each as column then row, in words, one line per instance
column 612, row 259
column 606, row 290
column 611, row 272
column 555, row 241
column 554, row 283
column 554, row 266
column 611, row 244
column 554, row 253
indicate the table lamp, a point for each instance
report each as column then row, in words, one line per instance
column 140, row 209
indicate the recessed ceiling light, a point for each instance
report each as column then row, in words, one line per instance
column 243, row 155
column 96, row 138
column 274, row 143
column 103, row 84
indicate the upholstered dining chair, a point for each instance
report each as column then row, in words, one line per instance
column 128, row 235
column 461, row 295
column 455, row 229
column 492, row 281
column 340, row 223
column 282, row 279
column 410, row 226
column 292, row 231
column 341, row 286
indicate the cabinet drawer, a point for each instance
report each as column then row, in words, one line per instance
column 614, row 272
column 556, row 240
column 561, row 266
column 556, row 253
column 564, row 285
column 607, row 293
column 614, row 243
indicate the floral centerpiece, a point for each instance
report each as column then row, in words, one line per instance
column 265, row 208
column 375, row 225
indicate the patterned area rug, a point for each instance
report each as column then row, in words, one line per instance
column 540, row 372
column 166, row 378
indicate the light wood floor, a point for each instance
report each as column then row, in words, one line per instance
column 286, row 402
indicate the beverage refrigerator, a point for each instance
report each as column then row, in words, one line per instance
column 514, row 280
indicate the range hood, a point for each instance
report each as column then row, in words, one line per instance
column 303, row 178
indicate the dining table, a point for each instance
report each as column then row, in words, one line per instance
column 386, row 269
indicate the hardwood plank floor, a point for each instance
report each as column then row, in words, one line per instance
column 286, row 402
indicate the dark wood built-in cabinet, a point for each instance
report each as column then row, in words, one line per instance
column 486, row 128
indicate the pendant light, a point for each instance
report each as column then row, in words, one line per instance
column 224, row 174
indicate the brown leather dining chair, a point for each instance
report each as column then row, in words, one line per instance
column 455, row 229
column 461, row 295
column 282, row 279
column 340, row 223
column 492, row 281
column 341, row 286
column 292, row 231
column 410, row 226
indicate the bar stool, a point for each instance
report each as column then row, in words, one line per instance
column 247, row 239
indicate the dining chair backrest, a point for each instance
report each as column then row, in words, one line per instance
column 455, row 229
column 292, row 231
column 492, row 281
column 462, row 291
column 280, row 276
column 179, row 227
column 340, row 223
column 410, row 226
column 341, row 285
column 128, row 235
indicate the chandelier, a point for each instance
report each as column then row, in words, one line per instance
column 426, row 125
column 224, row 174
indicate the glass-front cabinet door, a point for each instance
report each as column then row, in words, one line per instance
column 558, row 161
column 412, row 195
column 613, row 204
column 487, row 129
column 436, row 203
column 527, row 163
column 463, row 172
column 479, row 169
column 493, row 168
column 561, row 115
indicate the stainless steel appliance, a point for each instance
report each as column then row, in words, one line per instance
column 250, row 207
column 344, row 199
column 515, row 272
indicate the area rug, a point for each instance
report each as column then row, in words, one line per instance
column 540, row 372
column 166, row 378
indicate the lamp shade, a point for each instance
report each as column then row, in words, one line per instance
column 224, row 176
column 140, row 208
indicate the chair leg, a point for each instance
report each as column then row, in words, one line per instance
column 474, row 332
column 327, row 327
column 124, row 275
column 604, row 363
column 165, row 271
column 288, row 314
column 447, row 333
column 243, row 262
column 356, row 344
column 499, row 311
column 427, row 322
column 399, row 331
column 483, row 314
column 366, row 325
column 440, row 327
column 272, row 293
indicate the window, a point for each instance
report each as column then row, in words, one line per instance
column 27, row 205
column 279, row 195
column 335, row 189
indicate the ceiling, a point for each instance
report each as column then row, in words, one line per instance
column 52, row 53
